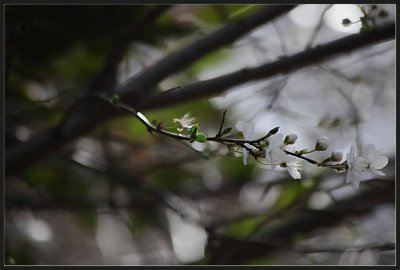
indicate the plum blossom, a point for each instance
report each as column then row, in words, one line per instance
column 273, row 152
column 249, row 133
column 186, row 122
column 360, row 168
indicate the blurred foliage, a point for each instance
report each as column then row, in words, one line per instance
column 243, row 227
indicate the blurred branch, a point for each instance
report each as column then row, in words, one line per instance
column 282, row 66
column 231, row 251
column 176, row 61
column 106, row 79
column 48, row 141
column 317, row 28
column 303, row 221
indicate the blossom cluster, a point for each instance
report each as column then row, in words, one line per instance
column 273, row 152
column 271, row 149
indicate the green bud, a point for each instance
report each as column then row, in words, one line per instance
column 201, row 138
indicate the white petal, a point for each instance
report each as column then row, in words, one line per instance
column 352, row 155
column 276, row 140
column 378, row 172
column 269, row 160
column 245, row 156
column 378, row 162
column 248, row 132
column 294, row 172
column 361, row 164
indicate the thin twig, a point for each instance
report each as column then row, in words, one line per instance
column 222, row 124
column 317, row 28
column 240, row 142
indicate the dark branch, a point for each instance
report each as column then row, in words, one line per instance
column 106, row 78
column 285, row 65
column 302, row 221
column 175, row 62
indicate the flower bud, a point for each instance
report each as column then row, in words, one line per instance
column 346, row 22
column 290, row 139
column 336, row 156
column 322, row 144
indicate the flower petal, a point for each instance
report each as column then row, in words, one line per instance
column 276, row 140
column 245, row 155
column 352, row 155
column 378, row 162
column 377, row 172
column 240, row 125
column 294, row 172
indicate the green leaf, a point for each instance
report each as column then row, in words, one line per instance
column 201, row 138
column 226, row 131
column 194, row 131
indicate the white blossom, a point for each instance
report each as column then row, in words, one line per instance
column 360, row 168
column 249, row 133
column 273, row 152
column 186, row 122
column 248, row 129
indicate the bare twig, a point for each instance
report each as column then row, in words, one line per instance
column 317, row 28
column 222, row 124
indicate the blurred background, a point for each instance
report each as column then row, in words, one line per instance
column 122, row 196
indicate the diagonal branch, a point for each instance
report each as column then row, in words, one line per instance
column 282, row 66
column 106, row 78
column 50, row 140
column 184, row 57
